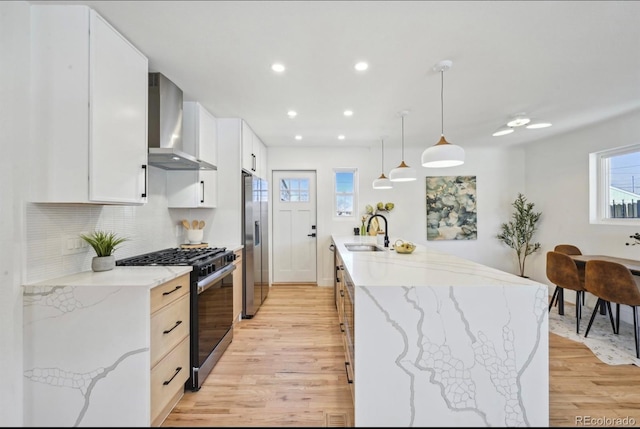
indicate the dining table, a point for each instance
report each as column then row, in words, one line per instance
column 631, row 264
column 581, row 261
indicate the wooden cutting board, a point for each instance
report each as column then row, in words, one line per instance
column 194, row 246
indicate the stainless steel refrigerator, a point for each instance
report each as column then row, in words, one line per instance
column 255, row 265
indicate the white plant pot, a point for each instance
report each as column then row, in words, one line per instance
column 103, row 263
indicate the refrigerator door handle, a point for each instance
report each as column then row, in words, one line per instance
column 256, row 230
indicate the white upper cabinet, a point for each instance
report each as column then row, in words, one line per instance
column 254, row 152
column 198, row 188
column 199, row 132
column 248, row 157
column 89, row 98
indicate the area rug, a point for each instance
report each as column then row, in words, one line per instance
column 610, row 348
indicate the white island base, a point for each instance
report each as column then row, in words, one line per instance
column 451, row 356
column 442, row 341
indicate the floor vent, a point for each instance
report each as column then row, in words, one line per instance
column 336, row 420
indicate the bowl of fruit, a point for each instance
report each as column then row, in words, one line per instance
column 401, row 246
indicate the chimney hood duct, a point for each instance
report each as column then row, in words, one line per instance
column 165, row 128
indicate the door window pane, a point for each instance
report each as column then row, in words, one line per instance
column 294, row 190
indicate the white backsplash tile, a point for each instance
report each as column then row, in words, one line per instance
column 149, row 227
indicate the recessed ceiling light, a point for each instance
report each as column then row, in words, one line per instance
column 298, row 137
column 277, row 67
column 361, row 66
column 341, row 137
column 292, row 113
column 348, row 113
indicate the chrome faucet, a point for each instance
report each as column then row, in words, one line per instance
column 386, row 228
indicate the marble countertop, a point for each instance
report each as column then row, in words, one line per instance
column 145, row 277
column 423, row 267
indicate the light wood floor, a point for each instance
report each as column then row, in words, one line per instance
column 285, row 367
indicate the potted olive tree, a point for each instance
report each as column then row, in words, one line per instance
column 518, row 233
column 104, row 243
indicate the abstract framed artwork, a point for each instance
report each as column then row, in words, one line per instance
column 451, row 208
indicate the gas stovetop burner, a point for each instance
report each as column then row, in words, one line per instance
column 173, row 256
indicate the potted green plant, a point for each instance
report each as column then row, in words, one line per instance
column 518, row 233
column 104, row 244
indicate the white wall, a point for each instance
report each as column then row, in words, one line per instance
column 557, row 181
column 14, row 123
column 499, row 175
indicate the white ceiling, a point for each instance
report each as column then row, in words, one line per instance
column 571, row 63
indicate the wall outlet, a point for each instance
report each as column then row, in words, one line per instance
column 73, row 244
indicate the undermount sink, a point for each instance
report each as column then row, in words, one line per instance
column 360, row 247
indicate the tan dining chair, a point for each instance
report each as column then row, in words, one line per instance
column 567, row 249
column 563, row 272
column 612, row 282
column 558, row 293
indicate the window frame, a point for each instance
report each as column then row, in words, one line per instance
column 334, row 191
column 599, row 182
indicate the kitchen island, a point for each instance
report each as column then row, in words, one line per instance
column 443, row 341
column 98, row 347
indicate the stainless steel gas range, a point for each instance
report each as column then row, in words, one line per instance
column 211, row 318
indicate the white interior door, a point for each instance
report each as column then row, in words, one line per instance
column 294, row 227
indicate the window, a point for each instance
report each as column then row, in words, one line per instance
column 294, row 190
column 345, row 192
column 615, row 185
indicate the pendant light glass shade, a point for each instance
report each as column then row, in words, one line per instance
column 402, row 173
column 443, row 153
column 383, row 181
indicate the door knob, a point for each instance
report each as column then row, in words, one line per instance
column 313, row 234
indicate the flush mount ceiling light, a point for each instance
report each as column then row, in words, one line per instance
column 503, row 131
column 298, row 137
column 277, row 67
column 383, row 181
column 292, row 113
column 348, row 113
column 402, row 173
column 341, row 137
column 443, row 153
column 534, row 125
column 517, row 121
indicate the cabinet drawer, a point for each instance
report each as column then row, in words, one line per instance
column 169, row 292
column 168, row 327
column 167, row 380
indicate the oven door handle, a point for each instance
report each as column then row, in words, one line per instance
column 207, row 282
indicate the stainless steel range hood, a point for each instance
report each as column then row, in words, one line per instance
column 165, row 128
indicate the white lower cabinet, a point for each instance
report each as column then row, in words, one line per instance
column 106, row 349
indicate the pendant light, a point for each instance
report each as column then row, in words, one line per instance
column 443, row 153
column 383, row 181
column 402, row 173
